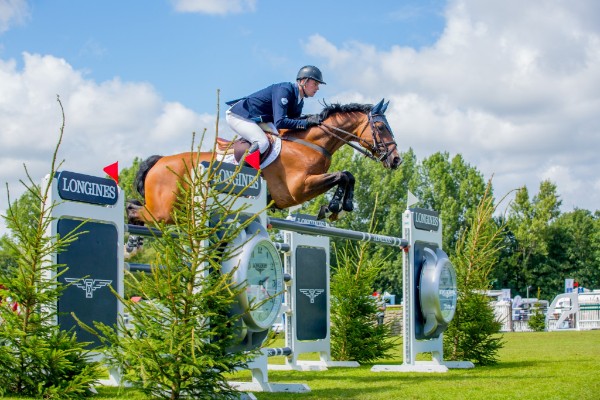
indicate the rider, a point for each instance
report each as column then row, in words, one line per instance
column 279, row 105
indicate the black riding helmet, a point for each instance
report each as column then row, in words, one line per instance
column 312, row 72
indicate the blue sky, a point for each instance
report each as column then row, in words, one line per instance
column 187, row 56
column 512, row 86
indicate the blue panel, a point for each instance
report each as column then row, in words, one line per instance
column 92, row 263
column 311, row 293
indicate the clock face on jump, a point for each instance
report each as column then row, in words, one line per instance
column 437, row 291
column 264, row 283
column 447, row 292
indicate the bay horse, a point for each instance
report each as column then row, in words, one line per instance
column 296, row 176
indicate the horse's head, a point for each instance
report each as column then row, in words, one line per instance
column 381, row 143
column 363, row 124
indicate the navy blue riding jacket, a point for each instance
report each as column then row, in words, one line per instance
column 277, row 103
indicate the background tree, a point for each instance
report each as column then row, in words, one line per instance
column 126, row 178
column 374, row 185
column 529, row 223
column 537, row 320
column 451, row 187
column 573, row 250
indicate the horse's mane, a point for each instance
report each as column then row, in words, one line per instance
column 331, row 109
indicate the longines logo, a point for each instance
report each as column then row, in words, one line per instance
column 426, row 220
column 308, row 220
column 88, row 285
column 312, row 293
column 260, row 267
column 86, row 188
column 231, row 179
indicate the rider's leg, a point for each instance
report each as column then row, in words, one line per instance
column 249, row 130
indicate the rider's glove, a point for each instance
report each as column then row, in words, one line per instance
column 313, row 120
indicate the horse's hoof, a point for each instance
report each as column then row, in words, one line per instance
column 348, row 206
column 336, row 216
column 323, row 213
column 133, row 246
column 341, row 214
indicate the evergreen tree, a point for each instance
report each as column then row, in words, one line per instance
column 37, row 358
column 537, row 320
column 356, row 333
column 177, row 342
column 472, row 333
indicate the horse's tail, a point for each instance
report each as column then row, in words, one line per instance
column 140, row 178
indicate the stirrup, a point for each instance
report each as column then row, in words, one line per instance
column 253, row 147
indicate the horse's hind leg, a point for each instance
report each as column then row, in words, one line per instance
column 134, row 209
column 318, row 184
column 134, row 243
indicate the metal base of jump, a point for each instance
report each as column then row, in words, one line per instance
column 424, row 366
column 306, row 365
column 260, row 379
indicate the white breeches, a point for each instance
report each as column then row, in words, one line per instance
column 250, row 130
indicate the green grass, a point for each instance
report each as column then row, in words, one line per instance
column 545, row 366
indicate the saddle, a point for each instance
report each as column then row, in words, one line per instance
column 239, row 146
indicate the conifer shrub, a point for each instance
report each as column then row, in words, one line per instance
column 355, row 332
column 537, row 320
column 37, row 358
column 179, row 338
column 473, row 333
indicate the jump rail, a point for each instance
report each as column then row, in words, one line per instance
column 288, row 225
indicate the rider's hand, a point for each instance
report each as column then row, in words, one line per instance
column 313, row 120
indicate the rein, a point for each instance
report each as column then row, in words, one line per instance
column 376, row 147
column 349, row 143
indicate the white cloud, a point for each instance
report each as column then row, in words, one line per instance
column 12, row 12
column 104, row 122
column 512, row 86
column 218, row 7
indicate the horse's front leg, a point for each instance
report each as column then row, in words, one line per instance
column 348, row 203
column 343, row 198
column 318, row 184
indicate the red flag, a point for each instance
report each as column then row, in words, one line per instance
column 254, row 159
column 112, row 170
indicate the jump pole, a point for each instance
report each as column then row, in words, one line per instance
column 287, row 225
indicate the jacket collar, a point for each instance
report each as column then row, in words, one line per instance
column 297, row 91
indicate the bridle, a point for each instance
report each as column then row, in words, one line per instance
column 378, row 150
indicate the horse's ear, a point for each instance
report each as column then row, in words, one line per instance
column 384, row 107
column 377, row 108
